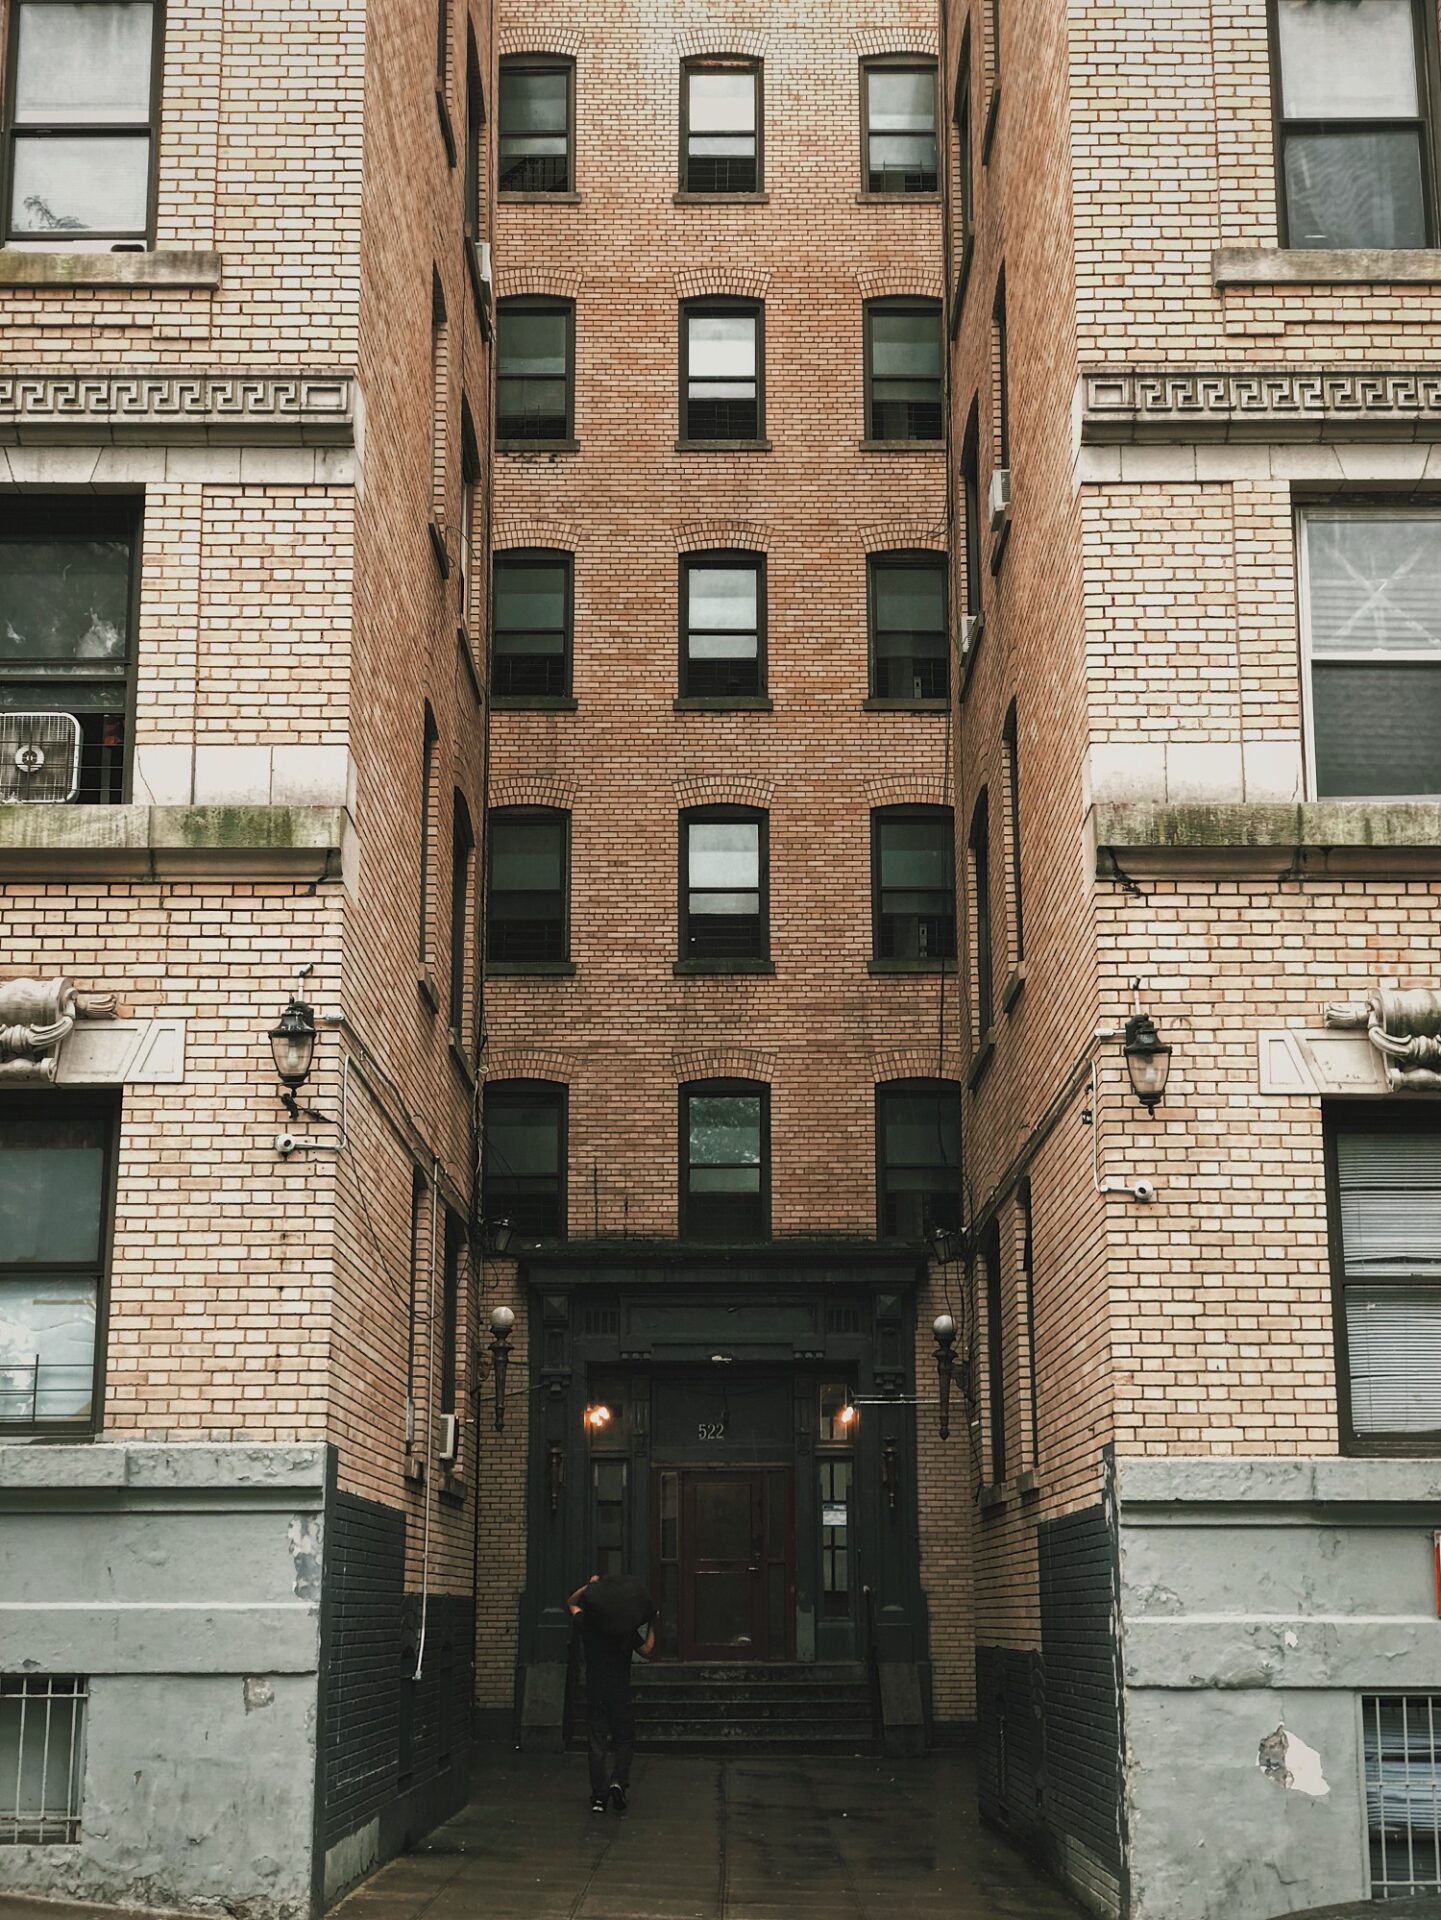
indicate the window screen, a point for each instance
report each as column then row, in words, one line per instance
column 534, row 133
column 903, row 371
column 722, row 124
column 722, row 616
column 918, row 1125
column 81, row 123
column 523, row 1156
column 528, row 878
column 1354, row 145
column 724, row 1189
column 1372, row 608
column 530, row 630
column 913, row 867
column 721, row 375
column 910, row 648
column 1387, row 1214
column 900, row 129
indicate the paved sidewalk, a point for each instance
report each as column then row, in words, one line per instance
column 716, row 1839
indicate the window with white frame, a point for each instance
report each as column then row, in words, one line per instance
column 1371, row 622
column 42, row 1758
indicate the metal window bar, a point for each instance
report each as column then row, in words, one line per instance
column 42, row 1757
column 1402, row 1757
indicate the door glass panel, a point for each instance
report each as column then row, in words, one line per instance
column 722, row 1518
column 723, row 1609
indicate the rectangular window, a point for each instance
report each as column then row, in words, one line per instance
column 978, row 848
column 1385, row 1199
column 468, row 545
column 56, row 1176
column 1028, row 1287
column 913, row 878
column 67, row 592
column 723, row 885
column 82, row 99
column 450, row 1314
column 1010, row 755
column 528, row 868
column 1002, row 383
column 42, row 1758
column 536, row 98
column 1353, row 145
column 964, row 201
column 995, row 1353
column 608, row 1483
column 837, row 1476
column 971, row 505
column 439, row 422
column 474, row 183
column 720, row 129
column 1401, row 1744
column 725, row 1154
column 721, row 372
column 903, row 370
column 918, row 1141
column 523, row 1157
column 535, row 370
column 722, row 625
column 910, row 645
column 430, row 748
column 898, row 112
column 531, row 627
column 462, row 918
column 1371, row 622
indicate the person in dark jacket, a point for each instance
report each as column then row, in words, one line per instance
column 617, row 1618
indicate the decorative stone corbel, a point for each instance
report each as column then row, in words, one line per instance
column 1404, row 1026
column 36, row 1017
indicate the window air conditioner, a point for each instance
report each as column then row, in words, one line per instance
column 482, row 261
column 970, row 634
column 448, row 1451
column 1000, row 501
column 39, row 756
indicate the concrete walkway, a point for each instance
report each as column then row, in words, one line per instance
column 715, row 1839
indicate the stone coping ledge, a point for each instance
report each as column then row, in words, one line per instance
column 1314, row 836
column 1325, row 266
column 157, row 1465
column 170, row 843
column 1251, row 405
column 1268, row 1481
column 165, row 267
column 218, row 406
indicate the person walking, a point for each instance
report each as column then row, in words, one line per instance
column 617, row 1618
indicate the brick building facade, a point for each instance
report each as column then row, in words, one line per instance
column 1193, row 319
column 244, row 403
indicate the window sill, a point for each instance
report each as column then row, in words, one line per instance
column 1286, row 841
column 981, row 1060
column 910, row 966
column 932, row 199
column 451, row 1491
column 534, row 969
column 877, row 705
column 963, row 278
column 1011, row 991
column 138, row 842
column 1324, row 266
column 460, row 1059
column 988, row 131
column 534, row 703
column 538, row 199
column 447, row 125
column 684, row 969
column 426, row 988
column 442, row 557
column 537, row 446
column 22, row 267
column 994, row 1496
column 684, row 199
column 902, row 446
column 722, row 446
column 1022, row 1486
column 723, row 703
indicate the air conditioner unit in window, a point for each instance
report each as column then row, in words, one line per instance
column 487, row 278
column 39, row 756
column 448, row 1451
column 970, row 633
column 1000, row 502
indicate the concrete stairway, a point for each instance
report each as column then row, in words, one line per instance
column 790, row 1707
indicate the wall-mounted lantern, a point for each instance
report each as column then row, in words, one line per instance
column 945, row 1244
column 502, row 1325
column 1148, row 1060
column 944, row 1329
column 292, row 1041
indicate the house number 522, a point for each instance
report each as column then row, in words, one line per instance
column 712, row 1430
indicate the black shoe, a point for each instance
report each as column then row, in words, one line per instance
column 618, row 1796
column 597, row 1802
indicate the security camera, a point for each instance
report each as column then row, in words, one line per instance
column 1144, row 1191
column 285, row 1144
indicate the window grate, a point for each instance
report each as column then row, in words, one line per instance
column 42, row 1758
column 1402, row 1745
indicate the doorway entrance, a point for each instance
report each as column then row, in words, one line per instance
column 724, row 1542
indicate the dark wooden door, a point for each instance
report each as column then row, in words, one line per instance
column 735, row 1563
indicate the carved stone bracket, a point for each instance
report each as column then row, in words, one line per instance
column 1127, row 405
column 229, row 409
column 1405, row 1030
column 36, row 1017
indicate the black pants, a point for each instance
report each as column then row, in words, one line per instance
column 610, row 1733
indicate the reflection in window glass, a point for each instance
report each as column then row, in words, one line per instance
column 722, row 392
column 534, row 130
column 530, row 629
column 904, row 372
column 901, row 130
column 910, row 648
column 722, row 594
column 920, row 1158
column 915, row 885
column 532, row 394
column 724, row 1138
column 523, row 1158
column 720, row 155
column 527, row 913
column 724, row 912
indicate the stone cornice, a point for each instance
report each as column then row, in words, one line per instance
column 1130, row 405
column 218, row 408
column 61, row 843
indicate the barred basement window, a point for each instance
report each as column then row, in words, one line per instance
column 527, row 877
column 898, row 134
column 722, row 378
column 531, row 630
column 723, row 885
column 722, row 624
column 1353, row 147
column 903, row 370
column 1401, row 1740
column 910, row 647
column 42, row 1758
column 537, row 99
column 720, row 129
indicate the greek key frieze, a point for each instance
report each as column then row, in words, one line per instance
column 308, row 407
column 1125, row 406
